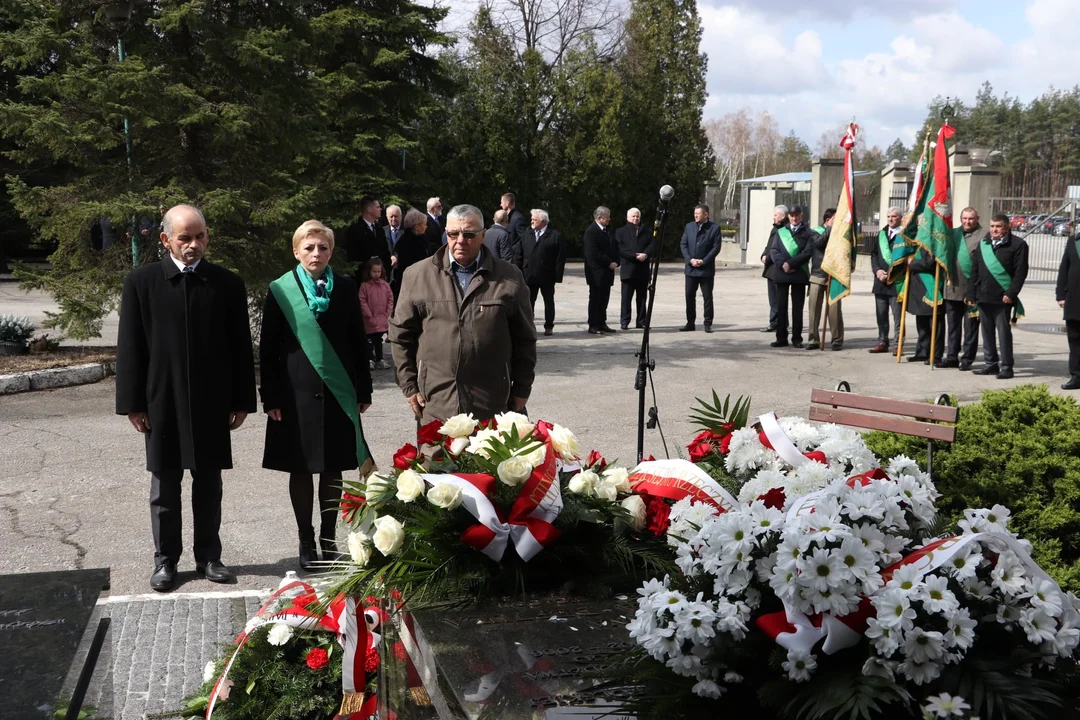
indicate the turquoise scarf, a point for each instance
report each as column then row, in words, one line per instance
column 317, row 305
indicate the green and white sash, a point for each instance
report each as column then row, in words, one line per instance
column 791, row 246
column 885, row 246
column 321, row 354
column 1000, row 275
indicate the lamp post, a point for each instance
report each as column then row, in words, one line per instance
column 119, row 14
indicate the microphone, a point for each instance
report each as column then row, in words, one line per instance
column 666, row 193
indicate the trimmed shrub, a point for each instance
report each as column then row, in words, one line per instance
column 1019, row 448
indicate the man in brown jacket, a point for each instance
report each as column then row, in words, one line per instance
column 462, row 333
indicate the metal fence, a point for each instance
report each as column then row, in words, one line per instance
column 1045, row 224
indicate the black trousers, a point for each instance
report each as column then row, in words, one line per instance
column 633, row 292
column 798, row 300
column 165, row 514
column 375, row 343
column 1072, row 331
column 882, row 303
column 548, row 291
column 773, row 311
column 692, row 285
column 302, row 495
column 963, row 331
column 997, row 334
column 599, row 295
column 924, row 324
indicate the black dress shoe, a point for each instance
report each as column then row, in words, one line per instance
column 688, row 327
column 778, row 343
column 214, row 571
column 965, row 366
column 309, row 557
column 986, row 370
column 595, row 331
column 797, row 344
column 946, row 364
column 640, row 326
column 771, row 328
column 607, row 328
column 624, row 327
column 917, row 358
column 164, row 577
column 838, row 347
column 708, row 328
column 1005, row 375
column 1073, row 384
column 813, row 346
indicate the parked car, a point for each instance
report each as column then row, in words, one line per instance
column 1034, row 221
column 1051, row 222
column 1063, row 228
column 1017, row 221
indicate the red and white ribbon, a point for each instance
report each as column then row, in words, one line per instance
column 538, row 504
column 493, row 532
column 781, row 443
column 677, row 479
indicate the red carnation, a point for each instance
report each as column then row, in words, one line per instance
column 306, row 599
column 399, row 651
column 657, row 513
column 699, row 451
column 725, row 444
column 405, row 456
column 350, row 504
column 429, row 434
column 595, row 459
column 370, row 600
column 396, row 594
column 817, row 455
column 775, row 499
column 317, row 659
column 371, row 662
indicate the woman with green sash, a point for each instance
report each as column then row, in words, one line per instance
column 315, row 382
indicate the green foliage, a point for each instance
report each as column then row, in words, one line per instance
column 717, row 417
column 263, row 114
column 1019, row 448
column 15, row 329
column 850, row 695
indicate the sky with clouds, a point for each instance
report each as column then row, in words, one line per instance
column 814, row 64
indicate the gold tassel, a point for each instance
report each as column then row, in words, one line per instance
column 420, row 696
column 351, row 703
column 368, row 468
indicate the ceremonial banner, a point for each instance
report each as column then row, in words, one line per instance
column 935, row 233
column 839, row 252
column 903, row 244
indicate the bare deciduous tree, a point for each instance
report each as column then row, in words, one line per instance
column 555, row 27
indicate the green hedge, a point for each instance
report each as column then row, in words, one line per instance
column 1019, row 448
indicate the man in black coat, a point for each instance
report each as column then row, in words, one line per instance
column 365, row 239
column 700, row 244
column 635, row 251
column 516, row 224
column 963, row 327
column 791, row 248
column 779, row 215
column 884, row 291
column 1068, row 297
column 391, row 234
column 185, row 378
column 601, row 259
column 543, row 262
column 433, row 235
column 497, row 239
column 995, row 287
column 918, row 290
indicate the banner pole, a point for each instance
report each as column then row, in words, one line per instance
column 903, row 314
column 933, row 322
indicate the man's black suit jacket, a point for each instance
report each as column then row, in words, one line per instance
column 543, row 262
column 631, row 240
column 600, row 252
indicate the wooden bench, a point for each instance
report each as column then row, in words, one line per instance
column 841, row 407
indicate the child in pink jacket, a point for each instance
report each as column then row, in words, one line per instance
column 376, row 304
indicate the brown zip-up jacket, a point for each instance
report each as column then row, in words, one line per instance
column 464, row 354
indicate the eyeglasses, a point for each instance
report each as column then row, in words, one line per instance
column 467, row 234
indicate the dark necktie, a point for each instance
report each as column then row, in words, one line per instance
column 188, row 269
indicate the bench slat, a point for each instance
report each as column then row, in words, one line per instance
column 916, row 428
column 923, row 411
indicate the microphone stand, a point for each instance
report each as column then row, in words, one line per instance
column 645, row 362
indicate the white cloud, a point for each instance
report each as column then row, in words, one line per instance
column 833, row 10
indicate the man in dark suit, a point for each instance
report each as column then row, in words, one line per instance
column 601, row 259
column 791, row 248
column 497, row 238
column 364, row 238
column 998, row 272
column 635, row 244
column 516, row 224
column 544, row 259
column 185, row 377
column 884, row 291
column 1068, row 297
column 700, row 245
column 433, row 235
column 963, row 323
column 391, row 233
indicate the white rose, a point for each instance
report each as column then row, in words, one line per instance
column 514, row 471
column 458, row 445
column 478, row 444
column 565, row 442
column 636, row 507
column 410, row 486
column 583, row 483
column 459, row 426
column 279, row 634
column 389, row 535
column 445, row 495
column 507, row 420
column 537, row 457
column 208, row 672
column 359, row 548
column 606, row 490
column 618, row 477
column 377, row 485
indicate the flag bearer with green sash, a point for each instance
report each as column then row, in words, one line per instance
column 963, row 321
column 884, row 291
column 791, row 248
column 998, row 272
column 920, row 304
column 315, row 384
column 819, row 289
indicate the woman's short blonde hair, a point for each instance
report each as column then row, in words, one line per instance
column 312, row 227
column 413, row 218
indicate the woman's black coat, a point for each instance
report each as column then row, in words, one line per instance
column 314, row 434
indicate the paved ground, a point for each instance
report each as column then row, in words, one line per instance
column 73, row 492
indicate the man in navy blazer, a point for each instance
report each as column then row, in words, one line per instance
column 791, row 249
column 700, row 245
